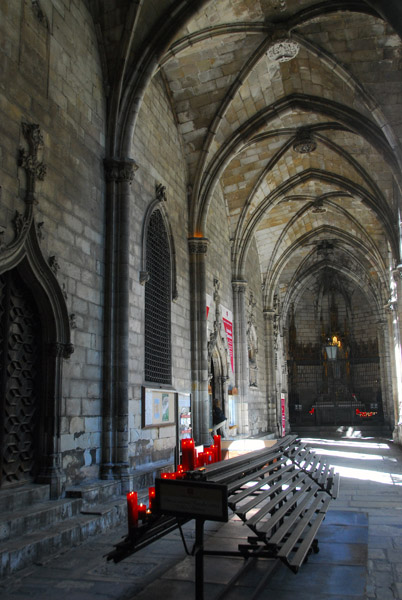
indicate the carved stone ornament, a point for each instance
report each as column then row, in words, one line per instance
column 59, row 350
column 283, row 50
column 28, row 160
column 304, row 141
column 2, row 232
column 216, row 296
column 39, row 230
column 318, row 207
column 118, row 170
column 21, row 223
column 144, row 277
column 54, row 264
column 397, row 273
column 161, row 193
column 39, row 14
column 391, row 306
column 279, row 5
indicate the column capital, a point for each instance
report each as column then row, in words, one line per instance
column 59, row 350
column 269, row 314
column 397, row 273
column 198, row 245
column 239, row 286
column 119, row 169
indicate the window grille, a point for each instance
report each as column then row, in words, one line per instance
column 157, row 303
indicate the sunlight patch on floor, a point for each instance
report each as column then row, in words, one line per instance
column 367, row 475
column 351, row 455
column 344, row 443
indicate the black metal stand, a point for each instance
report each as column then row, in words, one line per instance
column 199, row 559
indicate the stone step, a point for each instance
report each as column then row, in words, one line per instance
column 21, row 551
column 19, row 497
column 95, row 492
column 14, row 523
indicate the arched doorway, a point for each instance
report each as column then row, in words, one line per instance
column 20, row 381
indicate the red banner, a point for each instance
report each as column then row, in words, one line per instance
column 283, row 415
column 228, row 325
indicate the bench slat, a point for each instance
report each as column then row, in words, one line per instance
column 278, row 537
column 299, row 480
column 234, row 498
column 274, row 490
column 321, row 502
column 312, row 466
column 236, row 471
column 290, row 505
column 270, row 468
column 304, row 547
column 302, row 455
column 324, row 474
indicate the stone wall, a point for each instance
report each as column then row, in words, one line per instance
column 50, row 61
column 157, row 150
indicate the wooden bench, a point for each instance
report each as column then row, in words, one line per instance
column 281, row 493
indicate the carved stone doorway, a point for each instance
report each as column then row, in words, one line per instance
column 20, row 380
column 217, row 383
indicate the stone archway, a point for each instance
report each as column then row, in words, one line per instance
column 37, row 321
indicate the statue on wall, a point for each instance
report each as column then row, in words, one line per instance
column 252, row 343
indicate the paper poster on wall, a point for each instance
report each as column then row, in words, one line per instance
column 227, row 318
column 158, row 407
column 184, row 410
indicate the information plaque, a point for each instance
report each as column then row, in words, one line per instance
column 192, row 499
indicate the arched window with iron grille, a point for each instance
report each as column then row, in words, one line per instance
column 158, row 367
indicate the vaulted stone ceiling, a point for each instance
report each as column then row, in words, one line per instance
column 292, row 108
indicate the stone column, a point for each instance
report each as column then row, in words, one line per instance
column 395, row 310
column 272, row 401
column 50, row 462
column 119, row 175
column 384, row 346
column 199, row 360
column 241, row 353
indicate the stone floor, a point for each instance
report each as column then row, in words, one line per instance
column 360, row 547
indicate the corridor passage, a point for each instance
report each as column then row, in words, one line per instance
column 360, row 547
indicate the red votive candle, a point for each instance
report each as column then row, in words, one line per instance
column 214, row 450
column 201, row 459
column 151, row 497
column 188, row 454
column 132, row 510
column 208, row 457
column 142, row 511
column 217, row 442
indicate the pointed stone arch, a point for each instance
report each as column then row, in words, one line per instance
column 158, row 204
column 24, row 256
